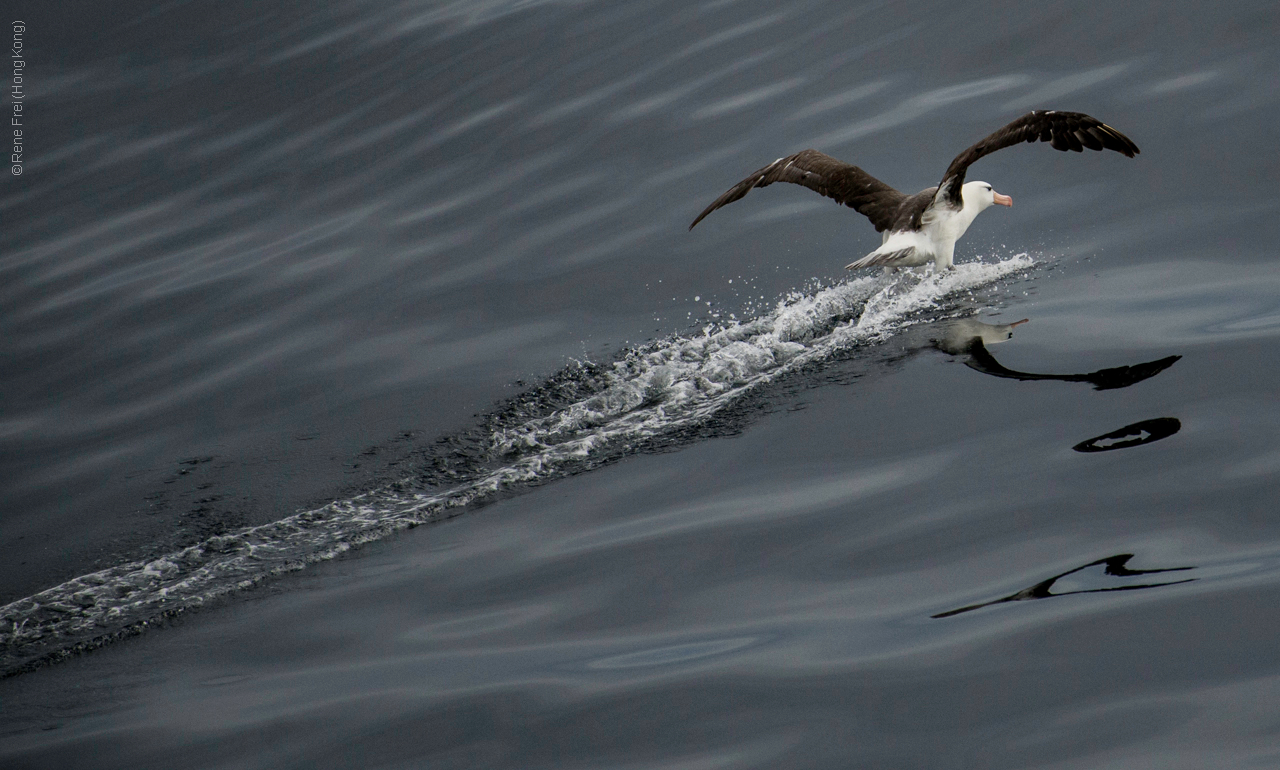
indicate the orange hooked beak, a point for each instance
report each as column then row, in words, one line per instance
column 1003, row 200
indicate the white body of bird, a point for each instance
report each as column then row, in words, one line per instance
column 940, row 227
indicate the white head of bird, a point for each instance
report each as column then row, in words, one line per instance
column 980, row 196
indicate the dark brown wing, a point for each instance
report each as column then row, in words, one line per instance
column 827, row 176
column 1063, row 130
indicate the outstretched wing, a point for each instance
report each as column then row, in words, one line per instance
column 1063, row 130
column 827, row 176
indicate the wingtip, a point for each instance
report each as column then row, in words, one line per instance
column 703, row 215
column 1130, row 149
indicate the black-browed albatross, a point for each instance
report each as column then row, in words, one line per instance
column 924, row 227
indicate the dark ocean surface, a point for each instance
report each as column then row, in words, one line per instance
column 365, row 401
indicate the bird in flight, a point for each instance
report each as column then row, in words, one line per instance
column 922, row 228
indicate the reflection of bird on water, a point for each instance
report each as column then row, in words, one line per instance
column 1133, row 435
column 959, row 335
column 969, row 337
column 923, row 228
column 1114, row 568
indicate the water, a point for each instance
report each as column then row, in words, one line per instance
column 276, row 292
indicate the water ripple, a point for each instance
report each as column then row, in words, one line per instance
column 918, row 106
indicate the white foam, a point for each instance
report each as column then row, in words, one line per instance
column 653, row 390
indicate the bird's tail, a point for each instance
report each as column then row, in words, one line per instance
column 879, row 258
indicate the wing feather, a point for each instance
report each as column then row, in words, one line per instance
column 840, row 181
column 1062, row 130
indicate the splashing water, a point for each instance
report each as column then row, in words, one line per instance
column 650, row 398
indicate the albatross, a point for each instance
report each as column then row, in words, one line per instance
column 922, row 228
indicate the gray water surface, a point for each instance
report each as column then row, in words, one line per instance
column 279, row 284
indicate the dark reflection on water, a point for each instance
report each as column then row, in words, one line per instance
column 1133, row 435
column 970, row 337
column 1114, row 567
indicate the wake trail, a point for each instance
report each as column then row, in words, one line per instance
column 647, row 399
